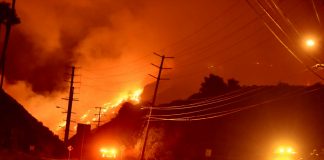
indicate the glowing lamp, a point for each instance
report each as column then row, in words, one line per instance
column 310, row 43
column 289, row 150
column 285, row 151
column 281, row 150
column 108, row 153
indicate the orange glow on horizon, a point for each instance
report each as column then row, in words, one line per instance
column 114, row 47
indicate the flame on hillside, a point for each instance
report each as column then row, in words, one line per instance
column 108, row 110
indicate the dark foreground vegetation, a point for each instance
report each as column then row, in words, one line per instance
column 222, row 121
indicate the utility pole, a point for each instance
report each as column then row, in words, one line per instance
column 158, row 79
column 10, row 18
column 69, row 110
column 99, row 115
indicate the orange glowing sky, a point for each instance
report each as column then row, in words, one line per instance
column 112, row 42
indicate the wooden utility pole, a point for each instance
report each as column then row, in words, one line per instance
column 69, row 110
column 158, row 79
column 9, row 20
column 99, row 115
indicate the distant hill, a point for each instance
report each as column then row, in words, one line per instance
column 245, row 123
column 21, row 133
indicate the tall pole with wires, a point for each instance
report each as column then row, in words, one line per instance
column 69, row 109
column 8, row 18
column 99, row 116
column 158, row 79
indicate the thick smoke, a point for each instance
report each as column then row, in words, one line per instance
column 54, row 35
column 112, row 41
column 98, row 37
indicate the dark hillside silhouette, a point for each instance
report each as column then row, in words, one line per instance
column 273, row 115
column 20, row 131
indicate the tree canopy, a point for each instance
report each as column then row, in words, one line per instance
column 215, row 85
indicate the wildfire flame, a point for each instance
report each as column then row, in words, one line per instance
column 108, row 109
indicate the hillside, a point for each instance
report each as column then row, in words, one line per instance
column 20, row 132
column 272, row 116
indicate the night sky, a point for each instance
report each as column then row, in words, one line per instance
column 112, row 42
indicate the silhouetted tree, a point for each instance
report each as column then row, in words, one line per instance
column 214, row 85
column 233, row 84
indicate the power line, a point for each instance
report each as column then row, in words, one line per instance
column 222, row 39
column 242, row 52
column 190, row 48
column 297, row 92
column 316, row 13
column 277, row 8
column 221, row 50
column 281, row 29
column 222, row 98
column 190, row 35
column 205, row 108
column 195, row 32
column 281, row 42
column 199, row 30
column 293, row 54
column 214, row 43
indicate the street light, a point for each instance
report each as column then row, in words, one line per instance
column 310, row 42
column 312, row 45
column 108, row 153
column 284, row 153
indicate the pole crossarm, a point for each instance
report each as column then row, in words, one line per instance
column 158, row 79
